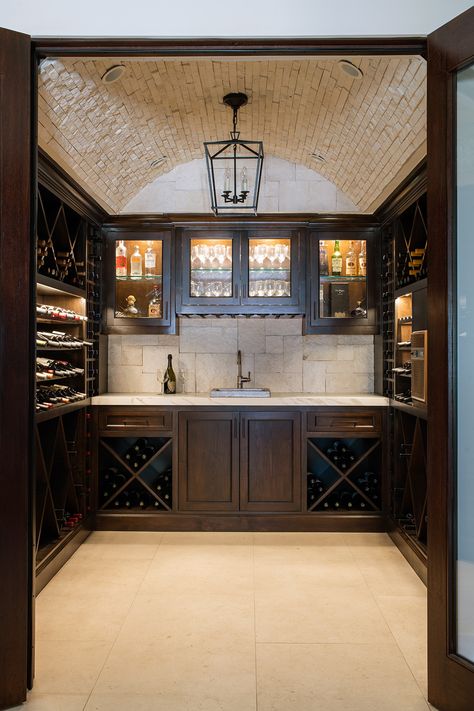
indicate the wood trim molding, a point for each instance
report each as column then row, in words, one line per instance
column 53, row 177
column 275, row 46
column 405, row 194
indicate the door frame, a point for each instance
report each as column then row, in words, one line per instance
column 146, row 47
column 450, row 677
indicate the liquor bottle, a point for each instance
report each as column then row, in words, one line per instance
column 336, row 260
column 150, row 261
column 154, row 305
column 351, row 261
column 362, row 260
column 136, row 263
column 323, row 259
column 170, row 378
column 121, row 259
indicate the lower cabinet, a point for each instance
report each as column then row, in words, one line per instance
column 232, row 461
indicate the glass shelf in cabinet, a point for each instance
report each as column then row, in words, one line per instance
column 211, row 269
column 343, row 279
column 279, row 270
column 135, row 279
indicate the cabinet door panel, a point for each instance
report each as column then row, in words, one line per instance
column 208, row 461
column 270, row 464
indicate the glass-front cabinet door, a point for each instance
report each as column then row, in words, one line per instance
column 241, row 271
column 139, row 281
column 270, row 270
column 341, row 293
column 210, row 270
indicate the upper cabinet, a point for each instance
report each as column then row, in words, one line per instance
column 240, row 271
column 139, row 285
column 341, row 292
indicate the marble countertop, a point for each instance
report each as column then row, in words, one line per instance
column 276, row 400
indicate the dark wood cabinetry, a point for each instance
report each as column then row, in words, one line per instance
column 237, row 270
column 270, row 461
column 343, row 303
column 208, row 461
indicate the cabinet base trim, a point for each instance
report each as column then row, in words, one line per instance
column 228, row 522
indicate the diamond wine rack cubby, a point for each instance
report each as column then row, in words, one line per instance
column 343, row 474
column 63, row 485
column 135, row 474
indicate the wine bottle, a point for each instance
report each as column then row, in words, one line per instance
column 323, row 259
column 121, row 259
column 336, row 260
column 140, row 444
column 351, row 261
column 362, row 260
column 170, row 378
column 154, row 305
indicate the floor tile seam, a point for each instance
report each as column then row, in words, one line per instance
column 114, row 642
column 387, row 622
column 254, row 620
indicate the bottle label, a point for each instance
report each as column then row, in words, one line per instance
column 154, row 310
column 135, row 266
column 351, row 267
column 337, row 265
column 171, row 386
column 121, row 266
column 150, row 260
column 362, row 266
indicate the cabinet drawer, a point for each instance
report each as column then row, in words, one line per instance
column 121, row 421
column 344, row 422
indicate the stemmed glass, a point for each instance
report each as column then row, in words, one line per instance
column 219, row 251
column 271, row 254
column 203, row 253
column 260, row 253
column 281, row 252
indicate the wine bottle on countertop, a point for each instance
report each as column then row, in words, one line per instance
column 170, row 378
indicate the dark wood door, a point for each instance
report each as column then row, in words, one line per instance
column 270, row 461
column 16, row 366
column 208, row 461
column 450, row 380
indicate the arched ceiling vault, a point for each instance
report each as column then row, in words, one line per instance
column 369, row 130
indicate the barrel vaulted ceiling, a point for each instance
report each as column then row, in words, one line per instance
column 111, row 138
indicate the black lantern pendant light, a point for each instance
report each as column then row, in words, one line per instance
column 234, row 167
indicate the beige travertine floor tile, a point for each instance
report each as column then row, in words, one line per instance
column 119, row 545
column 53, row 702
column 215, row 618
column 316, row 615
column 390, row 574
column 97, row 577
column 68, row 667
column 335, row 677
column 86, row 617
column 170, row 702
column 407, row 619
column 306, row 574
column 364, row 540
column 214, row 539
column 299, row 539
column 181, row 664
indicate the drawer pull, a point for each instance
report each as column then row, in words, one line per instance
column 131, row 423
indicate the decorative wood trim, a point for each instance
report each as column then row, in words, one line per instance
column 410, row 190
column 152, row 221
column 53, row 177
column 242, row 46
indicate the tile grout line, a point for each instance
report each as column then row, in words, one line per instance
column 122, row 625
column 254, row 621
column 374, row 597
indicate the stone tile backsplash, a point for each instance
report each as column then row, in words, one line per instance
column 274, row 350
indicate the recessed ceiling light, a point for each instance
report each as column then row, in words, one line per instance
column 317, row 156
column 113, row 74
column 350, row 69
column 157, row 161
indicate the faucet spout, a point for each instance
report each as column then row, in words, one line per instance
column 241, row 379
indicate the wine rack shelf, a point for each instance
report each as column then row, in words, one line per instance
column 343, row 474
column 135, row 474
column 63, row 483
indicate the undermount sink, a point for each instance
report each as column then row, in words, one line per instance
column 240, row 392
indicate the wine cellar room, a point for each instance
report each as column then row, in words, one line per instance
column 236, row 321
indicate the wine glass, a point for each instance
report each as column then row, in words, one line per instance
column 270, row 287
column 228, row 255
column 260, row 253
column 195, row 256
column 217, row 288
column 252, row 288
column 271, row 254
column 219, row 251
column 203, row 253
column 260, row 287
column 252, row 256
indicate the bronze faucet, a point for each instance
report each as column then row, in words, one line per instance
column 241, row 379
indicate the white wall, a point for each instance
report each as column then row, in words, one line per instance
column 285, row 187
column 210, row 18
